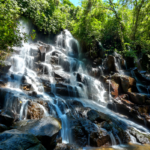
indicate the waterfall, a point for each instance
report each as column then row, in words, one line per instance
column 118, row 66
column 132, row 138
column 23, row 108
column 120, row 142
column 64, row 131
column 113, row 140
column 63, row 72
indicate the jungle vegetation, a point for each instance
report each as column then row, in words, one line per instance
column 120, row 25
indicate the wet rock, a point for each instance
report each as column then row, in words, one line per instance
column 79, row 137
column 2, row 83
column 7, row 117
column 63, row 146
column 137, row 98
column 123, row 63
column 61, row 76
column 32, row 93
column 97, row 62
column 98, row 139
column 4, row 66
column 68, row 63
column 35, row 111
column 16, row 140
column 127, row 83
column 96, row 72
column 35, row 52
column 66, row 90
column 59, row 140
column 94, row 115
column 103, row 79
column 87, row 133
column 3, row 128
column 110, row 63
column 143, row 110
column 45, row 129
column 114, row 88
column 26, row 87
column 42, row 52
column 140, row 77
column 37, row 147
column 3, row 94
column 140, row 137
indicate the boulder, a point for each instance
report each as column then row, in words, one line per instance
column 87, row 133
column 3, row 93
column 17, row 140
column 140, row 77
column 137, row 98
column 110, row 63
column 127, row 83
column 35, row 111
column 32, row 93
column 140, row 136
column 45, row 129
column 98, row 139
column 3, row 127
column 114, row 87
column 94, row 115
column 79, row 136
column 7, row 117
column 26, row 87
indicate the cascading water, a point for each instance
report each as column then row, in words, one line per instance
column 62, row 60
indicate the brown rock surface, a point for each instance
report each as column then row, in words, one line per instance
column 35, row 111
column 137, row 98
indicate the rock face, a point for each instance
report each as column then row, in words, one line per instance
column 86, row 133
column 45, row 129
column 17, row 140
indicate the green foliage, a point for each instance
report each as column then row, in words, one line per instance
column 117, row 24
column 8, row 14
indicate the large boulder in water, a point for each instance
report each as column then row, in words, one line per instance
column 100, row 138
column 140, row 136
column 17, row 140
column 127, row 83
column 35, row 110
column 87, row 133
column 45, row 129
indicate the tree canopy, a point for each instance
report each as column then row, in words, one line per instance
column 122, row 25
